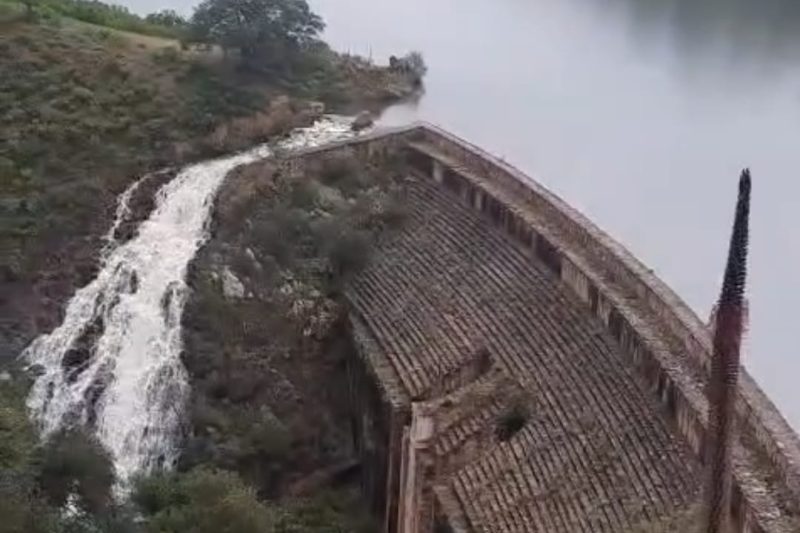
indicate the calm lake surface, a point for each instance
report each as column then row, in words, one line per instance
column 641, row 113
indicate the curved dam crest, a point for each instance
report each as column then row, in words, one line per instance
column 422, row 369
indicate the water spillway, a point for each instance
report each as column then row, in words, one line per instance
column 113, row 365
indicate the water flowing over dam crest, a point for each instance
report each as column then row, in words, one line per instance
column 114, row 363
column 515, row 369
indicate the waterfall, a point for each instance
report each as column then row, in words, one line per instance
column 113, row 365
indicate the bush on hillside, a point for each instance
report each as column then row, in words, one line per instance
column 340, row 167
column 17, row 438
column 347, row 251
column 162, row 24
column 168, row 18
column 263, row 31
column 74, row 464
column 22, row 511
column 201, row 501
column 330, row 512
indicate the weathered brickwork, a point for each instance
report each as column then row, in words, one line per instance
column 483, row 268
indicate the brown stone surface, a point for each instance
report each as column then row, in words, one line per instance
column 595, row 455
column 664, row 346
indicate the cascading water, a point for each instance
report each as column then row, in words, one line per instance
column 113, row 365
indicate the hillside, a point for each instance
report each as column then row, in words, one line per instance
column 91, row 98
column 86, row 109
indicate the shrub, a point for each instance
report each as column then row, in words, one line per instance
column 277, row 232
column 201, row 501
column 394, row 213
column 73, row 462
column 168, row 55
column 339, row 167
column 332, row 512
column 16, row 434
column 265, row 436
column 21, row 510
column 113, row 16
column 348, row 252
column 512, row 421
column 304, row 194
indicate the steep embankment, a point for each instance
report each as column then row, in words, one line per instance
column 264, row 349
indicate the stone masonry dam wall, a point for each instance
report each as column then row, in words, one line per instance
column 665, row 341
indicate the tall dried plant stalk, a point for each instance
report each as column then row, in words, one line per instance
column 723, row 385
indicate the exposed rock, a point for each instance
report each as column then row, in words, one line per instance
column 363, row 121
column 330, row 198
column 280, row 102
column 141, row 205
column 5, row 377
column 82, row 349
column 231, row 286
column 316, row 108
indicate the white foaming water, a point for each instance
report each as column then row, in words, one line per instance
column 113, row 364
column 123, row 208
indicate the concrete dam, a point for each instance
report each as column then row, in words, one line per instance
column 517, row 370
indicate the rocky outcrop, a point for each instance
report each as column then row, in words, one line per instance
column 363, row 121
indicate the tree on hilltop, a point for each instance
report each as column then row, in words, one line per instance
column 166, row 17
column 261, row 30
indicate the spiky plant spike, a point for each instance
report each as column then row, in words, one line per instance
column 723, row 384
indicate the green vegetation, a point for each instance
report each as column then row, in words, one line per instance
column 92, row 97
column 72, row 471
column 85, row 109
column 36, row 480
column 72, row 463
column 202, row 501
column 83, row 112
column 215, row 501
column 268, row 374
column 265, row 32
column 162, row 24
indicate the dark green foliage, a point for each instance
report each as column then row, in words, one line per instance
column 215, row 501
column 263, row 31
column 511, row 421
column 167, row 18
column 80, row 120
column 162, row 24
column 347, row 251
column 332, row 512
column 35, row 480
column 17, row 438
column 201, row 501
column 304, row 194
column 340, row 168
column 210, row 97
column 22, row 511
column 73, row 462
column 394, row 214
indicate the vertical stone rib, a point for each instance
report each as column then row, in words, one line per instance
column 722, row 387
